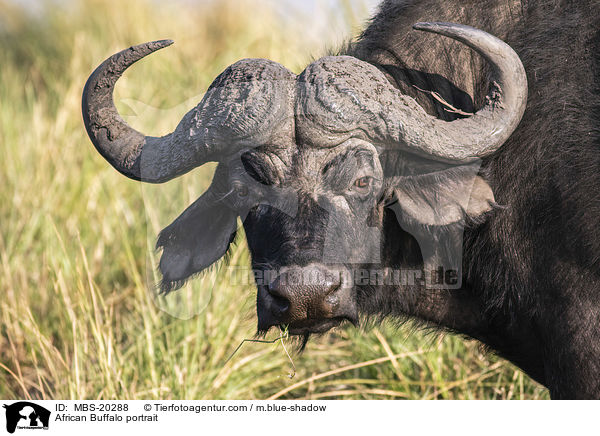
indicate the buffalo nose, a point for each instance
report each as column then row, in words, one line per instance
column 304, row 293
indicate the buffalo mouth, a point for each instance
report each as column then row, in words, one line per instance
column 311, row 326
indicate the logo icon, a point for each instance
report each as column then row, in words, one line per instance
column 26, row 415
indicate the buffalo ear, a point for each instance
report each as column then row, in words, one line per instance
column 434, row 208
column 441, row 198
column 200, row 236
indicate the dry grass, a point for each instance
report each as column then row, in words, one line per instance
column 77, row 315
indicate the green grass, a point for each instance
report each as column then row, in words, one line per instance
column 77, row 314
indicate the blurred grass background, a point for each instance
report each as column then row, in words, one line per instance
column 78, row 318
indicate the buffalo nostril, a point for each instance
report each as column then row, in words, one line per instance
column 280, row 304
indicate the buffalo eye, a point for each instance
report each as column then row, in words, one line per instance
column 362, row 184
column 241, row 190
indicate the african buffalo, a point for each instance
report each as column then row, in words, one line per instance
column 470, row 160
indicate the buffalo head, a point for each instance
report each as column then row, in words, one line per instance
column 313, row 164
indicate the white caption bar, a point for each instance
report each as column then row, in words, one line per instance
column 295, row 417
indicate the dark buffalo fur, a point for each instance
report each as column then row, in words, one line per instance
column 532, row 269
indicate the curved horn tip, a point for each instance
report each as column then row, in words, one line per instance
column 100, row 114
column 424, row 25
column 437, row 26
column 164, row 42
column 421, row 25
column 156, row 45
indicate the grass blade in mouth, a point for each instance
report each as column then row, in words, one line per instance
column 283, row 334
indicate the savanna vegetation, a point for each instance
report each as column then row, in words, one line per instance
column 79, row 317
